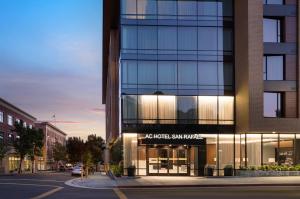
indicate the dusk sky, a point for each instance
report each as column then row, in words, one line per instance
column 50, row 61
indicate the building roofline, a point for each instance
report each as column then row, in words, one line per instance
column 51, row 125
column 15, row 108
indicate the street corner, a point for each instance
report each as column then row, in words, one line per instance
column 91, row 183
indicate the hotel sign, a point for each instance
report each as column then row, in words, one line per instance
column 172, row 138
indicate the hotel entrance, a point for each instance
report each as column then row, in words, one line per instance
column 162, row 160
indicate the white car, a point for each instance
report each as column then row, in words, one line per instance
column 77, row 170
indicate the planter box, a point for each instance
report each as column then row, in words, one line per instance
column 250, row 173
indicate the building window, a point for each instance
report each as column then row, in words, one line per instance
column 279, row 2
column 128, row 7
column 270, row 149
column 272, row 104
column 147, row 9
column 167, row 38
column 147, row 108
column 186, row 109
column 187, row 73
column 226, row 109
column 10, row 120
column 24, row 124
column 166, row 109
column 1, row 117
column 168, row 8
column 187, row 9
column 30, row 126
column 208, row 109
column 167, row 73
column 187, row 37
column 147, row 37
column 129, row 35
column 147, row 72
column 272, row 30
column 273, row 67
column 129, row 72
column 1, row 137
column 18, row 121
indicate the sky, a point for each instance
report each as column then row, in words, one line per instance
column 51, row 64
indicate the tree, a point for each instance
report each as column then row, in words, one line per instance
column 59, row 152
column 75, row 148
column 3, row 150
column 116, row 152
column 37, row 142
column 23, row 143
column 87, row 161
column 95, row 145
column 28, row 142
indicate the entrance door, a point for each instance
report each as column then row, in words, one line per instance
column 168, row 161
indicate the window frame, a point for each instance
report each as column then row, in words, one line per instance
column 266, row 3
column 10, row 120
column 1, row 117
column 280, row 105
column 265, row 67
column 279, row 28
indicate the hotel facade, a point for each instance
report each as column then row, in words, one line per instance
column 194, row 83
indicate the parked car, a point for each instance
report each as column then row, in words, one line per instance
column 77, row 170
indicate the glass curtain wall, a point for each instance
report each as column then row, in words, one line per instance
column 187, row 39
column 166, row 109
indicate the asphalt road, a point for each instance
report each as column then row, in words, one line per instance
column 51, row 186
column 216, row 193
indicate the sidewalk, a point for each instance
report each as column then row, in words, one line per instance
column 101, row 181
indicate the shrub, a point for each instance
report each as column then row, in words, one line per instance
column 116, row 170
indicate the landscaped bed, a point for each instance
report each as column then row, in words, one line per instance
column 269, row 170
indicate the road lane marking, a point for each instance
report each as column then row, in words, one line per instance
column 26, row 184
column 48, row 193
column 28, row 179
column 119, row 193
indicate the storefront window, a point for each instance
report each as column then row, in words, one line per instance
column 167, row 109
column 130, row 150
column 253, row 150
column 270, row 149
column 142, row 160
column 208, row 109
column 194, row 160
column 130, row 108
column 226, row 110
column 148, row 109
column 211, row 149
column 243, row 151
column 297, row 149
column 226, row 151
column 286, row 149
column 237, row 151
column 187, row 109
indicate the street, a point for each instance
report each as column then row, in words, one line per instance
column 36, row 186
column 51, row 186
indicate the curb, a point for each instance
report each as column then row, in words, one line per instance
column 71, row 184
column 208, row 186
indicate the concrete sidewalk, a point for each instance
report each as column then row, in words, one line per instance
column 101, row 181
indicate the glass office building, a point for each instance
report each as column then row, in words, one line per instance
column 196, row 83
column 177, row 83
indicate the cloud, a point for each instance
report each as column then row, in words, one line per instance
column 63, row 122
column 98, row 110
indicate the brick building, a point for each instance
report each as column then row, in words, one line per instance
column 9, row 114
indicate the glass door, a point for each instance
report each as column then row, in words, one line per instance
column 152, row 161
column 168, row 161
column 163, row 166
